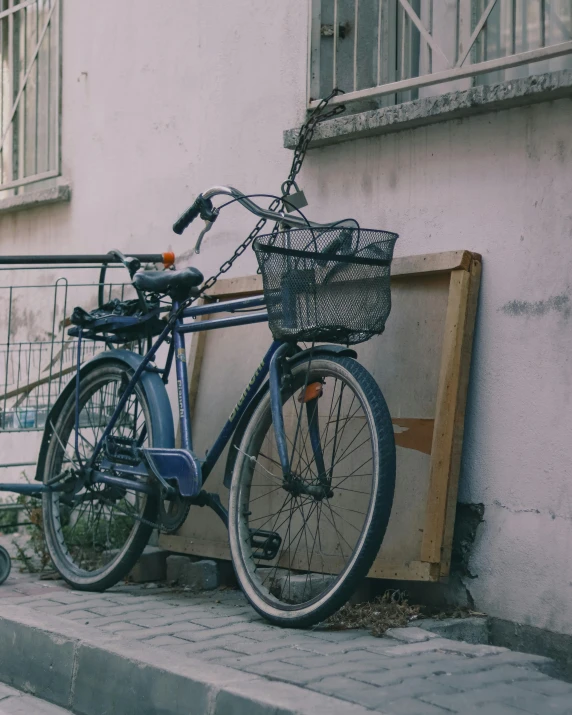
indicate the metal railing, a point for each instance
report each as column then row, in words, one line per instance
column 37, row 357
column 30, row 68
column 388, row 51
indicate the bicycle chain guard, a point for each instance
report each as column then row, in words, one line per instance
column 178, row 465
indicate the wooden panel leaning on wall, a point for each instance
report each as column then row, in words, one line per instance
column 422, row 364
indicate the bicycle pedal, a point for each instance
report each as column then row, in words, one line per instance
column 266, row 544
column 177, row 464
column 122, row 450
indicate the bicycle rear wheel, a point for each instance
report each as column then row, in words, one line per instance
column 300, row 546
column 96, row 532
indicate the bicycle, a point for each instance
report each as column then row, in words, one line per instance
column 311, row 461
column 305, row 523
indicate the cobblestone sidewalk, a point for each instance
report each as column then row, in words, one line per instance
column 408, row 672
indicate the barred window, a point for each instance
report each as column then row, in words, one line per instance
column 383, row 52
column 29, row 94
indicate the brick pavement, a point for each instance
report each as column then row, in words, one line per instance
column 408, row 672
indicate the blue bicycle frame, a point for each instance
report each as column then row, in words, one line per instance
column 177, row 353
column 197, row 470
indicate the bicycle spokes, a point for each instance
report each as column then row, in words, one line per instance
column 95, row 520
column 314, row 515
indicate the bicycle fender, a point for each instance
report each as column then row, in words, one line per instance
column 319, row 351
column 152, row 384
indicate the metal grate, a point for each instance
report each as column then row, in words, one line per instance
column 29, row 92
column 37, row 357
column 388, row 51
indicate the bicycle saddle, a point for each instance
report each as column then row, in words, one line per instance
column 177, row 284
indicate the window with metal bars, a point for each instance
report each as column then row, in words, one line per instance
column 383, row 52
column 30, row 69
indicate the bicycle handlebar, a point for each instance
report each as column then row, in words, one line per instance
column 186, row 218
column 257, row 210
column 202, row 206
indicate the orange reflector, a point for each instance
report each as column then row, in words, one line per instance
column 168, row 259
column 311, row 392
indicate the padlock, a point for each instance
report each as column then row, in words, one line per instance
column 294, row 201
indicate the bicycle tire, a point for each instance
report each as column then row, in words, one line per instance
column 120, row 564
column 5, row 565
column 263, row 597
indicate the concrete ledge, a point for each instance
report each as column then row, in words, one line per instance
column 529, row 639
column 487, row 630
column 80, row 668
column 454, row 105
column 34, row 199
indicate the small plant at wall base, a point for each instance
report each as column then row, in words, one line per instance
column 39, row 558
column 8, row 517
column 91, row 541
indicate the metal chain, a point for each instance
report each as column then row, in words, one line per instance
column 227, row 265
column 304, row 139
column 307, row 133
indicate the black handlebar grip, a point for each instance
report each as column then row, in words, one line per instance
column 188, row 216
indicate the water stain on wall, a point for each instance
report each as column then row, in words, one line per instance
column 557, row 303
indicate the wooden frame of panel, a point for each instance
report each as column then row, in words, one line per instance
column 445, row 433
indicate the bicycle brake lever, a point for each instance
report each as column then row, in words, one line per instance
column 206, row 229
column 209, row 216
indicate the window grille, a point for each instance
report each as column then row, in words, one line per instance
column 383, row 52
column 30, row 68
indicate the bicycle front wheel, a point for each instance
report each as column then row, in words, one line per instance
column 96, row 532
column 301, row 545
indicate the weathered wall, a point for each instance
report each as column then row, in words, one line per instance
column 158, row 106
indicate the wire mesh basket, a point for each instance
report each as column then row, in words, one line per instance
column 326, row 285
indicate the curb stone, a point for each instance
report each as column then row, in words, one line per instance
column 66, row 664
column 152, row 566
column 13, row 702
column 202, row 575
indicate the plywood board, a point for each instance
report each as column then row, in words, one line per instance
column 421, row 364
